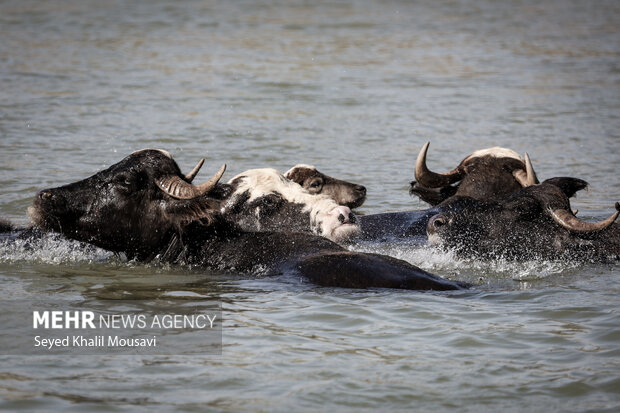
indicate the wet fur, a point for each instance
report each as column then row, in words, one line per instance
column 264, row 199
column 342, row 192
column 487, row 175
column 519, row 226
column 123, row 210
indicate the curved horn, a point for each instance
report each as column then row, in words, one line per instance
column 528, row 177
column 210, row 184
column 572, row 223
column 178, row 188
column 430, row 179
column 190, row 176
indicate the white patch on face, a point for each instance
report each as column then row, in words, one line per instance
column 151, row 149
column 496, row 152
column 262, row 182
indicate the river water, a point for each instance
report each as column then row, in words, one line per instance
column 355, row 88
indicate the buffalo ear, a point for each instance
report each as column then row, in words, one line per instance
column 221, row 191
column 568, row 185
column 184, row 213
column 431, row 196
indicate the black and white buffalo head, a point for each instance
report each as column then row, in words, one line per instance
column 265, row 200
column 136, row 206
column 483, row 175
column 343, row 192
column 534, row 222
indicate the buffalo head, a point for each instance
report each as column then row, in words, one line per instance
column 136, row 206
column 265, row 200
column 534, row 222
column 483, row 175
column 343, row 192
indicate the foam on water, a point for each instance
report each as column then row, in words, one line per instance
column 50, row 249
column 447, row 263
column 54, row 249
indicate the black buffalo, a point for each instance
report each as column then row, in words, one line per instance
column 483, row 175
column 533, row 223
column 146, row 208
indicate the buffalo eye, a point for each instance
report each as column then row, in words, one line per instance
column 316, row 183
column 124, row 181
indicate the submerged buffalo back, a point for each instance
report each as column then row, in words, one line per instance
column 144, row 207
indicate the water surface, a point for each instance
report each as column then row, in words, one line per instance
column 355, row 88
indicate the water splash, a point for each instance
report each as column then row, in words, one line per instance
column 448, row 264
column 49, row 248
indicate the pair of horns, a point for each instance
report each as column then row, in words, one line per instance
column 569, row 221
column 430, row 179
column 180, row 188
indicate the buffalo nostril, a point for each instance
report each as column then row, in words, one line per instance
column 341, row 218
column 352, row 218
column 361, row 189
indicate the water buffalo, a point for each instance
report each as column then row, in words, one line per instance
column 483, row 175
column 145, row 207
column 533, row 223
column 343, row 192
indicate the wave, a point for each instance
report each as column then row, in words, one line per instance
column 448, row 264
column 49, row 248
column 54, row 249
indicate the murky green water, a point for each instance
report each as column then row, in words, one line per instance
column 354, row 87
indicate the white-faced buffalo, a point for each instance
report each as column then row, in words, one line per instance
column 265, row 200
column 532, row 223
column 146, row 208
column 483, row 175
column 343, row 192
